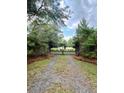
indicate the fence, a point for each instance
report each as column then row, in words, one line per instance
column 67, row 51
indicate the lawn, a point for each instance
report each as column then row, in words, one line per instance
column 37, row 65
column 90, row 70
column 34, row 68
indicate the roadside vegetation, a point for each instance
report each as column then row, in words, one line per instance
column 90, row 70
column 44, row 33
column 45, row 18
column 85, row 40
column 34, row 68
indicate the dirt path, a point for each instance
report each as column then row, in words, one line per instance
column 61, row 76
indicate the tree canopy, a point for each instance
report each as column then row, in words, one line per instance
column 44, row 20
column 47, row 10
column 86, row 40
column 45, row 17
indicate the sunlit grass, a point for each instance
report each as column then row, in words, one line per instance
column 90, row 70
column 58, row 88
column 61, row 64
column 34, row 68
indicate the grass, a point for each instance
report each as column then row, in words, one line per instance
column 37, row 64
column 90, row 70
column 34, row 68
column 61, row 64
column 58, row 88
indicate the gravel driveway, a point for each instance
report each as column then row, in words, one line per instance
column 60, row 77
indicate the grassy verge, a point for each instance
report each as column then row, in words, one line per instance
column 34, row 68
column 37, row 65
column 90, row 70
column 61, row 64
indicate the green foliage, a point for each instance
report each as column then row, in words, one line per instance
column 86, row 40
column 44, row 20
column 70, row 43
column 41, row 39
column 32, row 43
column 47, row 10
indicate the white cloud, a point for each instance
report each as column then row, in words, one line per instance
column 62, row 5
column 82, row 9
column 74, row 25
column 67, row 37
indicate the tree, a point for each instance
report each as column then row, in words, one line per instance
column 86, row 40
column 76, row 45
column 42, row 39
column 47, row 10
column 70, row 43
column 44, row 20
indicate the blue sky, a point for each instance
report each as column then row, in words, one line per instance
column 81, row 9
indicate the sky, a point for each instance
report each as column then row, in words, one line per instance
column 81, row 9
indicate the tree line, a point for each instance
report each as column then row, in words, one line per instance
column 45, row 17
column 85, row 40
